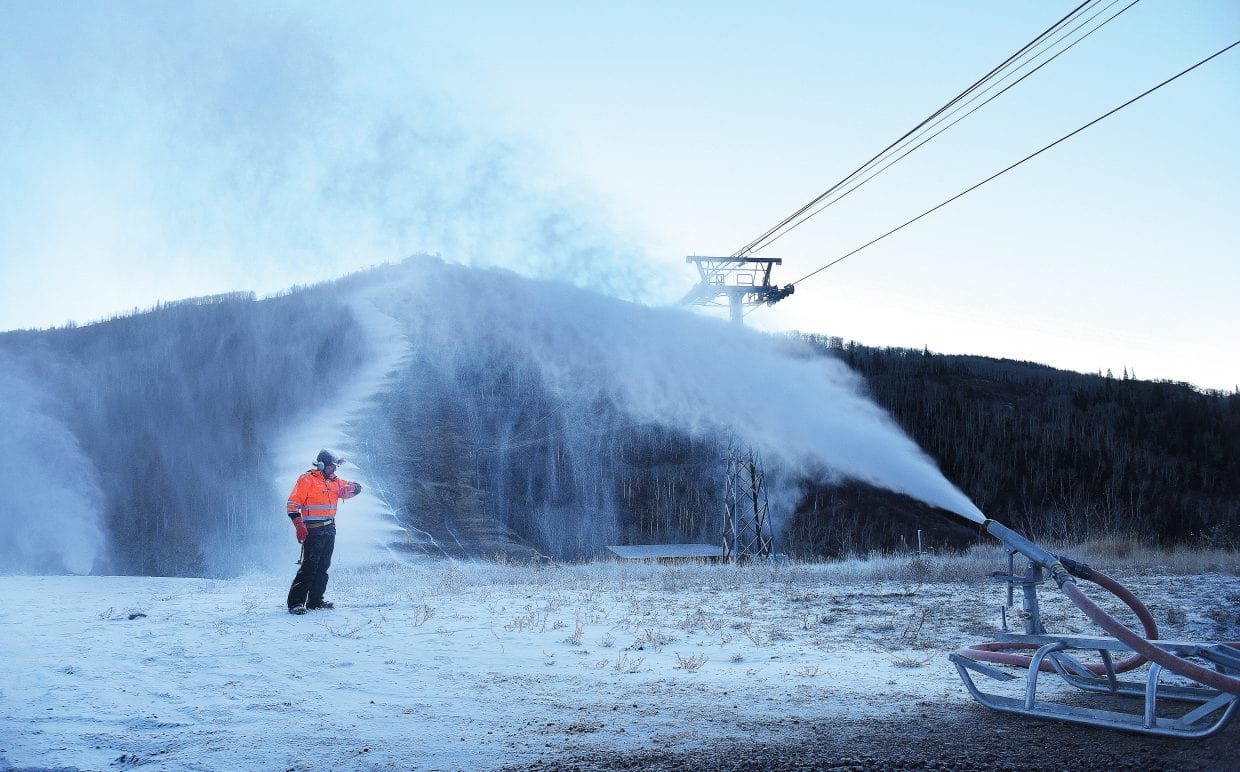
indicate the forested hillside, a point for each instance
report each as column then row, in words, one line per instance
column 1053, row 453
column 532, row 419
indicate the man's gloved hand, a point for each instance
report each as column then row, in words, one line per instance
column 301, row 529
column 357, row 488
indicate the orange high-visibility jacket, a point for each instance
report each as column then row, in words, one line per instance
column 315, row 496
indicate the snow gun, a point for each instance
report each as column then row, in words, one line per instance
column 1196, row 700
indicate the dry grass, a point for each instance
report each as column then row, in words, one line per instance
column 590, row 588
column 1129, row 554
column 912, row 662
column 421, row 613
column 915, row 608
column 690, row 664
column 1111, row 554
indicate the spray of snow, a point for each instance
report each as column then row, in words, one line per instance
column 799, row 409
column 50, row 518
column 325, row 172
column 368, row 519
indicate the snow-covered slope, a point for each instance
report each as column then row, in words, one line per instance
column 368, row 525
column 454, row 665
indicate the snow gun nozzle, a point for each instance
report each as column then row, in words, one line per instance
column 1017, row 543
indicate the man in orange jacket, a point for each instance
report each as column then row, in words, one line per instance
column 312, row 508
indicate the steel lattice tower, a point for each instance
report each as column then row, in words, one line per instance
column 746, row 532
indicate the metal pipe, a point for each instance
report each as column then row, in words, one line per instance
column 1019, row 543
column 1030, row 550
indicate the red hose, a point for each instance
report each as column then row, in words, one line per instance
column 1178, row 665
column 997, row 651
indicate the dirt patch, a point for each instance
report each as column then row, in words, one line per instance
column 972, row 738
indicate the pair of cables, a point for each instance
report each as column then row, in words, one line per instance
column 1078, row 24
column 1029, row 157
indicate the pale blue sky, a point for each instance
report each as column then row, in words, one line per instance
column 154, row 151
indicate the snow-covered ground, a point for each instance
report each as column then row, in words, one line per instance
column 449, row 665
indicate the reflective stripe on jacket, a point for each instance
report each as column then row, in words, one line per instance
column 315, row 496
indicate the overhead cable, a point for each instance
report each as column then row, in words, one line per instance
column 888, row 163
column 972, row 188
column 1022, row 52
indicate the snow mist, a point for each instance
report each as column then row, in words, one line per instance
column 593, row 365
column 50, row 519
column 489, row 413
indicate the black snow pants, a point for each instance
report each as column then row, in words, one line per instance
column 311, row 580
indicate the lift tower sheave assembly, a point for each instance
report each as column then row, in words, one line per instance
column 742, row 281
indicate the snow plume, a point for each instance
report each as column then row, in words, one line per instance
column 176, row 407
column 602, row 364
column 485, row 412
column 50, row 520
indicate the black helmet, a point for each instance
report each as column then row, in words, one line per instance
column 325, row 458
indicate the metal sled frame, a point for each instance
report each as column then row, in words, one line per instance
column 1213, row 709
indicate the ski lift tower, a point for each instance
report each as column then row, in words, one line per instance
column 740, row 282
column 736, row 281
